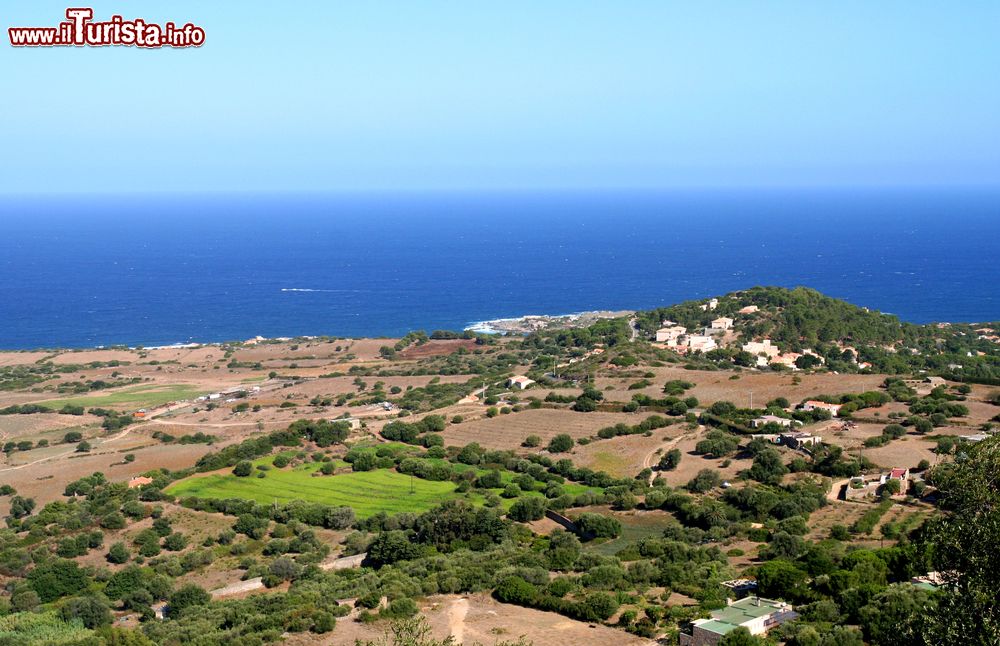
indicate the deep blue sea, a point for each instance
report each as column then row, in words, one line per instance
column 153, row 270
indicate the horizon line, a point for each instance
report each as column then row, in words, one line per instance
column 511, row 190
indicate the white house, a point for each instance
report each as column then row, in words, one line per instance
column 697, row 342
column 813, row 404
column 669, row 335
column 519, row 381
column 763, row 420
column 722, row 323
column 749, row 309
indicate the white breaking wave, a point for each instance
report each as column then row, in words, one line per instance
column 331, row 291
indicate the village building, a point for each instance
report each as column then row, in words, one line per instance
column 670, row 335
column 761, row 348
column 519, row 381
column 756, row 614
column 749, row 309
column 710, row 305
column 812, row 404
column 722, row 324
column 353, row 421
column 699, row 343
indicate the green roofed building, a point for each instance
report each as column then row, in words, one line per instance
column 756, row 614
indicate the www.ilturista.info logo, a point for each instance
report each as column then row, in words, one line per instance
column 79, row 30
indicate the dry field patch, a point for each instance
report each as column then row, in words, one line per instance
column 480, row 618
column 509, row 431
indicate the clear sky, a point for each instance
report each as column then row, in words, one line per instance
column 321, row 95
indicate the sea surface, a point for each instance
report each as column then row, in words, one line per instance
column 156, row 270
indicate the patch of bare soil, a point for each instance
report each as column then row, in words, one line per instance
column 727, row 385
column 478, row 618
column 437, row 348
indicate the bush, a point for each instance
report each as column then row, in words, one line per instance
column 56, row 578
column 400, row 608
column 185, row 597
column 705, row 480
column 527, row 509
column 670, row 460
column 243, row 469
column 516, row 590
column 767, row 467
column 598, row 526
column 560, row 443
column 118, row 553
column 532, row 441
column 91, row 610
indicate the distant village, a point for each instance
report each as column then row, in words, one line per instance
column 720, row 333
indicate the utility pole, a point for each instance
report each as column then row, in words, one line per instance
column 751, row 399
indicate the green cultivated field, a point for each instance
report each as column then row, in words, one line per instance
column 367, row 492
column 136, row 396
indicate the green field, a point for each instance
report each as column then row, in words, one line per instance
column 634, row 528
column 367, row 492
column 136, row 396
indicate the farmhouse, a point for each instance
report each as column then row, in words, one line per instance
column 754, row 613
column 763, row 420
column 353, row 421
column 900, row 474
column 519, row 381
column 812, row 404
column 139, row 481
column 799, row 439
column 749, row 309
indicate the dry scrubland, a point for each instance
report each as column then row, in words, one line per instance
column 168, row 380
column 162, row 373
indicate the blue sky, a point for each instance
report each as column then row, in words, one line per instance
column 502, row 95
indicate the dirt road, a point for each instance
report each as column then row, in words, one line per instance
column 834, row 494
column 456, row 618
column 647, row 462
